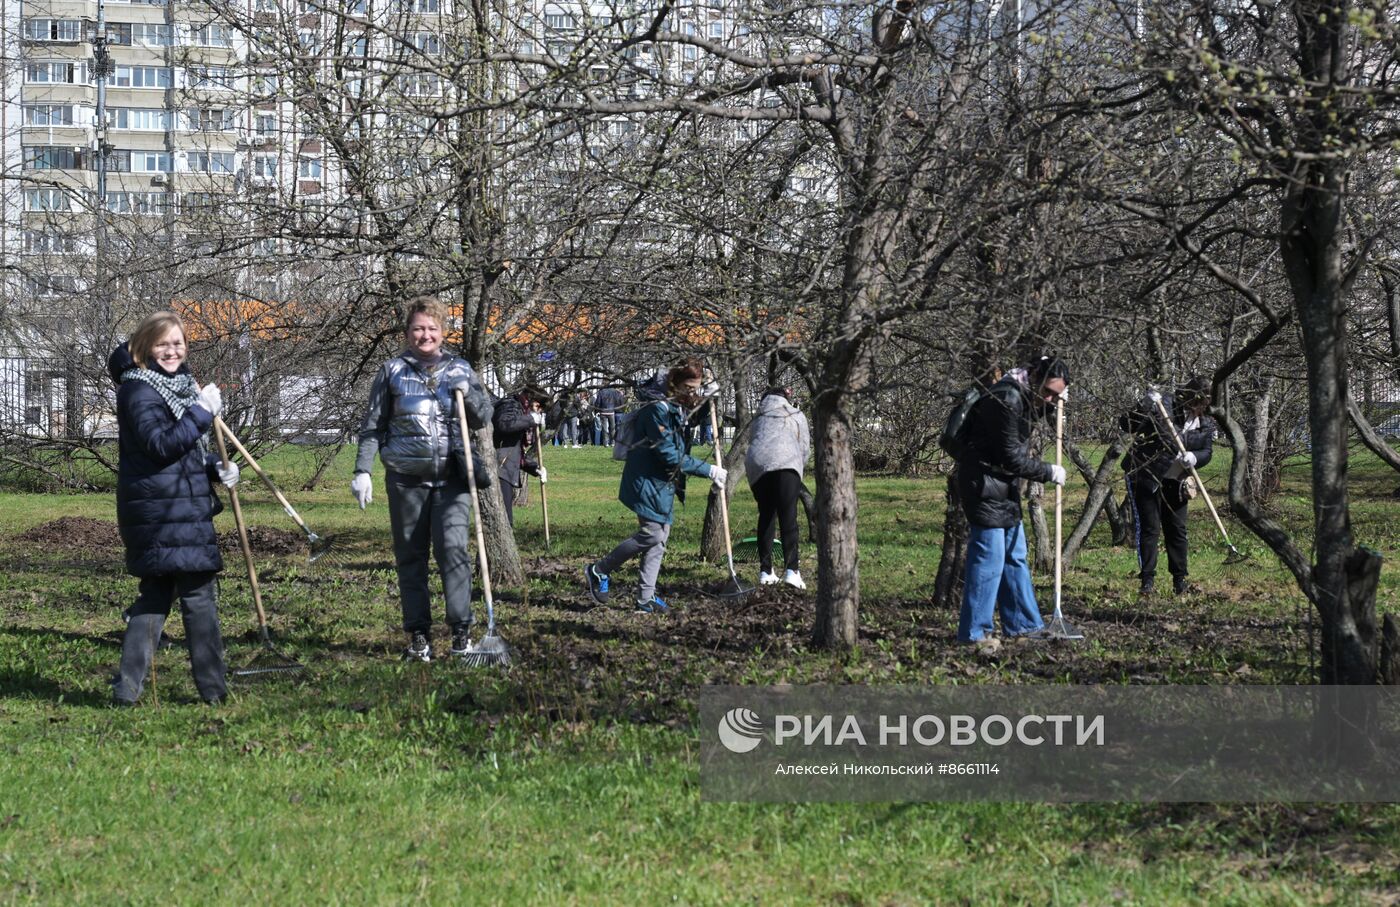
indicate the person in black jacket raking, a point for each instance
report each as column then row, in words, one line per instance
column 513, row 425
column 994, row 461
column 166, row 503
column 1157, row 472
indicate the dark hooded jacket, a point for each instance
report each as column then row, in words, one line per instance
column 165, row 499
column 510, row 431
column 1154, row 449
column 653, row 478
column 998, row 456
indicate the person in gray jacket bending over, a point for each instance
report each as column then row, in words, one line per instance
column 412, row 424
column 774, row 463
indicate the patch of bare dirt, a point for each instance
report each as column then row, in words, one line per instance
column 75, row 532
column 265, row 541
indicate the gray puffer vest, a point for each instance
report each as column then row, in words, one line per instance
column 422, row 434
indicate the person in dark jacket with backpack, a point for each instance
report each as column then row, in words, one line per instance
column 412, row 424
column 513, row 427
column 166, row 503
column 1159, row 475
column 653, row 479
column 995, row 458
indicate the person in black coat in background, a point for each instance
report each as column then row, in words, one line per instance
column 513, row 426
column 1158, row 472
column 166, row 503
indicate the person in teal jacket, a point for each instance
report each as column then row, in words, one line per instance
column 652, row 480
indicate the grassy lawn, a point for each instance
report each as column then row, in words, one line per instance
column 572, row 778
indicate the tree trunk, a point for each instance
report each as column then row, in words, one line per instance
column 952, row 558
column 1100, row 499
column 1311, row 221
column 809, row 510
column 501, row 552
column 1043, row 559
column 1259, row 481
column 1108, row 509
column 1374, row 442
column 838, row 569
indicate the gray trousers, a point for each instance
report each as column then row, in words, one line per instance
column 441, row 516
column 649, row 541
column 197, row 594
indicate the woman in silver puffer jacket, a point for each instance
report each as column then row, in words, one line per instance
column 412, row 424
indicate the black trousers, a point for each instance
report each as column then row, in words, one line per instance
column 776, row 494
column 1160, row 509
column 508, row 499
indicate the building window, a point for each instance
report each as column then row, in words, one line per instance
column 48, row 199
column 151, row 34
column 47, row 157
column 265, row 166
column 143, row 118
column 210, row 161
column 265, row 124
column 147, row 161
column 558, row 21
column 137, row 202
column 68, row 30
column 221, row 77
column 51, row 284
column 209, row 119
column 309, row 168
column 140, row 77
column 56, row 72
column 48, row 114
column 41, row 242
column 212, row 34
column 426, row 42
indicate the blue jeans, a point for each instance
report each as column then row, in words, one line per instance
column 997, row 575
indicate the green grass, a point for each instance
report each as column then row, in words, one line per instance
column 573, row 777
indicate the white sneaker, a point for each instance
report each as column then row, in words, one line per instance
column 767, row 579
column 794, row 579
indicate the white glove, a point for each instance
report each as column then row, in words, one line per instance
column 1186, row 458
column 1057, row 474
column 1154, row 397
column 718, row 474
column 709, row 389
column 362, row 488
column 538, row 419
column 1064, row 396
column 211, row 399
column 228, row 475
column 544, row 476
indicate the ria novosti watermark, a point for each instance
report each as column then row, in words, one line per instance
column 1052, row 743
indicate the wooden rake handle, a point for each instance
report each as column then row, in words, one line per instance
column 544, row 495
column 267, row 480
column 1181, row 446
column 219, row 430
column 476, row 502
column 723, row 492
column 1059, row 500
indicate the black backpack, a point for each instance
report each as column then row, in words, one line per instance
column 953, row 440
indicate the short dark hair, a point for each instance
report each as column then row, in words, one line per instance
column 1047, row 367
column 1195, row 391
column 778, row 390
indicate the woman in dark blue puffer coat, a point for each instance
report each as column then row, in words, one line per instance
column 166, row 503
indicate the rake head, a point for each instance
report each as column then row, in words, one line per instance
column 489, row 652
column 321, row 546
column 1059, row 628
column 268, row 662
column 1236, row 556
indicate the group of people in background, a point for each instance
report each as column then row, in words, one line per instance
column 167, row 472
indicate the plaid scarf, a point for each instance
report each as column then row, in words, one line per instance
column 179, row 392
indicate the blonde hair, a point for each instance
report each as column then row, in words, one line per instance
column 151, row 331
column 431, row 306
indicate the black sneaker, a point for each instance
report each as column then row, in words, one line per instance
column 597, row 583
column 1183, row 587
column 461, row 640
column 1146, row 591
column 655, row 606
column 419, row 648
